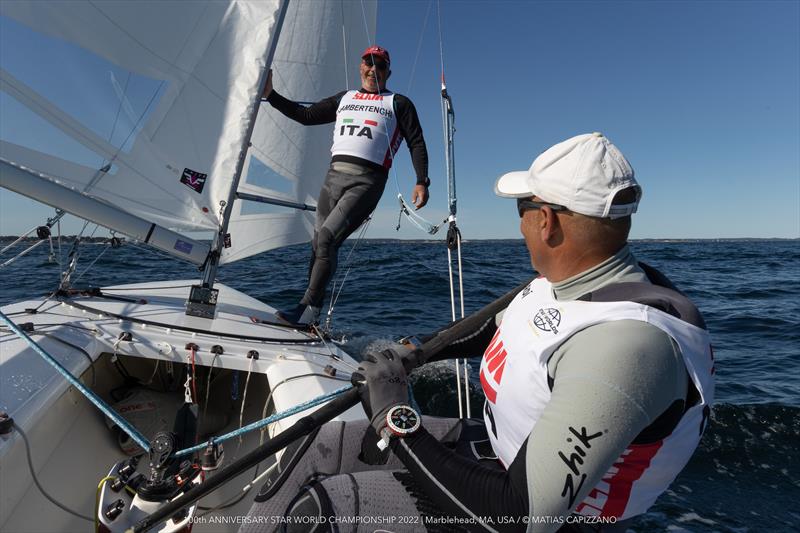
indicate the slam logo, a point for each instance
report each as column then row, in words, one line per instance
column 492, row 366
column 547, row 320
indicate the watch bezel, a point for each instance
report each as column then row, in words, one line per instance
column 397, row 430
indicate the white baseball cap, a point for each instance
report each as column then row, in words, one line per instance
column 583, row 174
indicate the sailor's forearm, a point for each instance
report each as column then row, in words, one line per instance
column 322, row 112
column 463, row 487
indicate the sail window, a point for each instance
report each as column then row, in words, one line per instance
column 261, row 175
column 259, row 208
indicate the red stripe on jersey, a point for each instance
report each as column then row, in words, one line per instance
column 499, row 374
column 490, row 393
column 393, row 146
column 492, row 352
column 628, row 468
column 370, row 123
column 497, row 361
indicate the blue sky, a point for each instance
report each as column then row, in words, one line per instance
column 702, row 97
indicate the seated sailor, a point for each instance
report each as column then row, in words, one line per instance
column 598, row 380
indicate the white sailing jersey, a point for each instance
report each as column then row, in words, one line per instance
column 514, row 378
column 366, row 127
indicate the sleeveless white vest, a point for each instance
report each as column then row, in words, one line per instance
column 365, row 126
column 513, row 375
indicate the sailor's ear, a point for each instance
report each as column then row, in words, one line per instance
column 388, row 73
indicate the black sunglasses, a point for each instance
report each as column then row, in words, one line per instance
column 380, row 65
column 528, row 205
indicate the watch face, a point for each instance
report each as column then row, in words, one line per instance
column 403, row 420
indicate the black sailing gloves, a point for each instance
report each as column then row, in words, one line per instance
column 382, row 382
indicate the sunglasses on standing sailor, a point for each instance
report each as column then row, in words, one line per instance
column 528, row 205
column 378, row 63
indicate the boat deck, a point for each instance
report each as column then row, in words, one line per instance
column 72, row 448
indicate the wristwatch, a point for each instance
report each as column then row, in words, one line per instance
column 411, row 340
column 401, row 421
column 425, row 182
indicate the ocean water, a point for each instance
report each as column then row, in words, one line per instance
column 745, row 475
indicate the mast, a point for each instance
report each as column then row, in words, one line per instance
column 203, row 298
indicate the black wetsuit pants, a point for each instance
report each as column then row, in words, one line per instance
column 345, row 202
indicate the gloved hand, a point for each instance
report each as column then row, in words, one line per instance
column 382, row 383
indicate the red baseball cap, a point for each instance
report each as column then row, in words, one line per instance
column 377, row 51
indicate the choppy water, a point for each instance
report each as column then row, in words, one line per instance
column 746, row 474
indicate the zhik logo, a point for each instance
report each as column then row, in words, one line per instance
column 574, row 462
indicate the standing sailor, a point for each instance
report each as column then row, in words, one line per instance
column 371, row 123
column 598, row 384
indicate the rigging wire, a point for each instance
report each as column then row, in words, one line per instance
column 23, row 253
column 348, row 266
column 96, row 259
column 344, row 48
column 419, row 47
column 20, row 238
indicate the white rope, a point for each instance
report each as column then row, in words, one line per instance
column 453, row 315
column 460, row 276
column 461, row 297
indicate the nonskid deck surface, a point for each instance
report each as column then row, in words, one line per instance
column 79, row 330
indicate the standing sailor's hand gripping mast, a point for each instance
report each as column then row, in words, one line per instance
column 268, row 86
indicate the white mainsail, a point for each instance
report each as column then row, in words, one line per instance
column 191, row 69
column 146, row 105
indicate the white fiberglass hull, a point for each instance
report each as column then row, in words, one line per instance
column 72, row 448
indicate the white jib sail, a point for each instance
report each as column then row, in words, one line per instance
column 159, row 93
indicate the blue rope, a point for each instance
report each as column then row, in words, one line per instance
column 269, row 420
column 92, row 397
